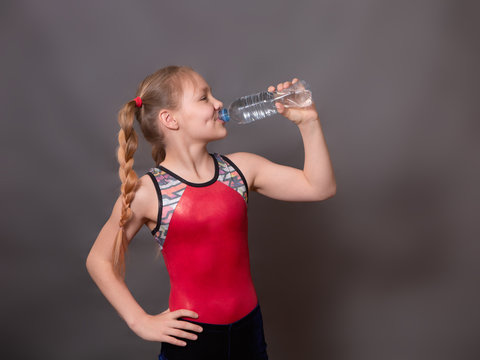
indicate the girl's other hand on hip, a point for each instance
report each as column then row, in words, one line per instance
column 165, row 327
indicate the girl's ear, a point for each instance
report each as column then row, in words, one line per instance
column 167, row 119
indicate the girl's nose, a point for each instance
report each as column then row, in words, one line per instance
column 218, row 104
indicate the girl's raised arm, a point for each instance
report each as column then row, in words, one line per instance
column 314, row 183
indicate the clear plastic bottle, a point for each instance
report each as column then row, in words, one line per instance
column 258, row 106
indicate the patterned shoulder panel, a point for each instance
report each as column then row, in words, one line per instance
column 170, row 191
column 231, row 176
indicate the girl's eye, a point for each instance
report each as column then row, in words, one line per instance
column 204, row 98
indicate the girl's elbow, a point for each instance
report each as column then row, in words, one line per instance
column 333, row 190
column 327, row 194
column 91, row 263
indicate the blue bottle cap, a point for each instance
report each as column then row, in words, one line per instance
column 223, row 115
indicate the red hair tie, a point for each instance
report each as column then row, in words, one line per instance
column 138, row 101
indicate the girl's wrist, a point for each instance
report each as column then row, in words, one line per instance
column 307, row 123
column 137, row 321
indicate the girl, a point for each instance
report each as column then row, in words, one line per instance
column 195, row 204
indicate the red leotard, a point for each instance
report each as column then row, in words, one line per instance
column 202, row 230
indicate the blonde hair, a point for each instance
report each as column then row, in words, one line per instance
column 160, row 90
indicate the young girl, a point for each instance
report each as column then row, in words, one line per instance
column 195, row 204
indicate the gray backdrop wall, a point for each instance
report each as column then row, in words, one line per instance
column 387, row 269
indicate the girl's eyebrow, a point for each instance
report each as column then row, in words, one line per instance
column 206, row 89
column 202, row 91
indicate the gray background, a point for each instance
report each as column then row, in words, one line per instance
column 387, row 269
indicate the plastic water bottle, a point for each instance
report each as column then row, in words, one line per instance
column 258, row 106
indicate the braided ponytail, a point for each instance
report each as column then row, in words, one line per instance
column 128, row 142
column 160, row 90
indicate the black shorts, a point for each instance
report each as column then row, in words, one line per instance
column 241, row 340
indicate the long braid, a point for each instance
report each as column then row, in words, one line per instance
column 128, row 143
column 160, row 90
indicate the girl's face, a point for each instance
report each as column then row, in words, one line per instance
column 198, row 113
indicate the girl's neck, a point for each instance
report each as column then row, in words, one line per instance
column 194, row 163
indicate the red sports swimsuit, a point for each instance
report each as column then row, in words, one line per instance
column 202, row 230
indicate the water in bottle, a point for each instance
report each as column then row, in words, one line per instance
column 258, row 106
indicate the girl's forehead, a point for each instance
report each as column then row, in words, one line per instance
column 193, row 83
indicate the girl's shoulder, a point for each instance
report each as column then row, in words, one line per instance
column 145, row 201
column 248, row 164
column 247, row 161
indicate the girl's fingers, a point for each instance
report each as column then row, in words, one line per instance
column 184, row 313
column 280, row 107
column 187, row 326
column 283, row 85
column 183, row 334
column 174, row 341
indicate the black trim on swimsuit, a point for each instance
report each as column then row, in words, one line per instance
column 238, row 170
column 178, row 177
column 160, row 204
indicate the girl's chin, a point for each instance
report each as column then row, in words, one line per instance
column 224, row 135
column 219, row 136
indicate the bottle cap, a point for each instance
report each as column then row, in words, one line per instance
column 223, row 115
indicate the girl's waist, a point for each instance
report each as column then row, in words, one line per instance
column 220, row 307
column 242, row 324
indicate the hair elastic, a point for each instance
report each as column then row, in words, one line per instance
column 138, row 101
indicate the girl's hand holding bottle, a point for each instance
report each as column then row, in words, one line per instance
column 298, row 115
column 164, row 326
